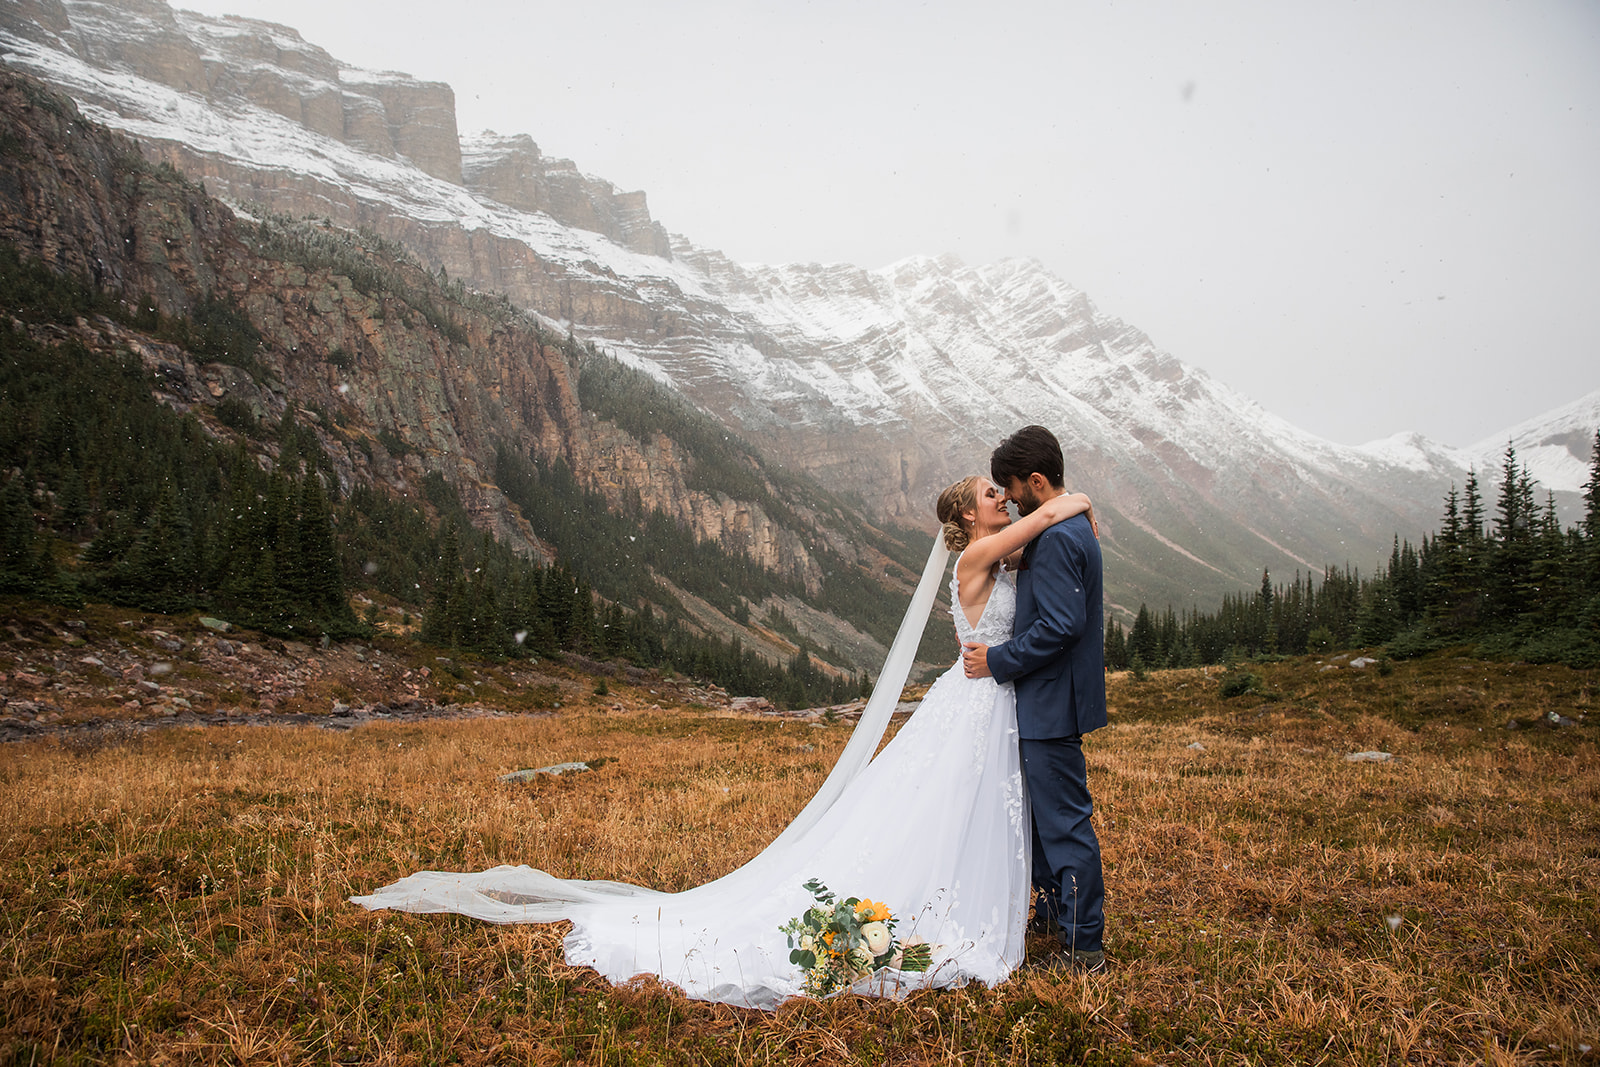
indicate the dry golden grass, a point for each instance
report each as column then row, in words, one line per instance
column 181, row 897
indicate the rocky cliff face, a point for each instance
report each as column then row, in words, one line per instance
column 267, row 65
column 84, row 201
column 232, row 60
column 451, row 381
column 514, row 172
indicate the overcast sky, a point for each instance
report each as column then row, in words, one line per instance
column 1368, row 216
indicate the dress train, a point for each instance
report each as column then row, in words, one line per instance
column 936, row 827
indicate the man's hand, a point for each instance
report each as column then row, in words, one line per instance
column 975, row 658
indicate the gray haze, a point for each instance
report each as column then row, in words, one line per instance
column 1369, row 216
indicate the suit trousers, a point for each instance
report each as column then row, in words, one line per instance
column 1067, row 874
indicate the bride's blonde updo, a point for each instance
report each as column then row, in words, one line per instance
column 956, row 499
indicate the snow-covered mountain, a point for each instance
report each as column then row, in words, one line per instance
column 1556, row 447
column 886, row 383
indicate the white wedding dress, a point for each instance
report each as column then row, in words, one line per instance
column 936, row 827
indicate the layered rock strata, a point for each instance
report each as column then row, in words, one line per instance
column 451, row 389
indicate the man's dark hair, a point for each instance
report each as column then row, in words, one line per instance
column 1032, row 449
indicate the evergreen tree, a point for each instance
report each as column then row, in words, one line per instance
column 1509, row 580
column 159, row 569
column 1405, row 574
column 1551, row 569
column 1473, row 545
column 1116, row 646
column 322, row 577
column 72, row 503
column 442, row 621
column 1379, row 617
column 480, row 627
column 1144, row 644
column 1591, row 521
column 282, row 535
column 1452, row 595
column 1167, row 645
column 268, row 607
column 21, row 549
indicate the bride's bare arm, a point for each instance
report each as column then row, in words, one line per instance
column 982, row 553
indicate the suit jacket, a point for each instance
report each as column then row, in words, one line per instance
column 1056, row 654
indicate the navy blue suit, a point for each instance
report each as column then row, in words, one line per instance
column 1056, row 659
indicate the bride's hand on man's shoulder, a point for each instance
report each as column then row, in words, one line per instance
column 1067, row 505
column 1087, row 507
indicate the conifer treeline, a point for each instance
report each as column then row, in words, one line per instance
column 174, row 520
column 1510, row 581
column 486, row 598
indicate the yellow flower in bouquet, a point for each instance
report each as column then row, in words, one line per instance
column 868, row 911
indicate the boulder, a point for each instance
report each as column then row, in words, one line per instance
column 554, row 770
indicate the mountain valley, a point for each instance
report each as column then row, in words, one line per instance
column 882, row 385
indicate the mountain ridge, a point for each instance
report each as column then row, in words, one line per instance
column 884, row 383
column 402, row 378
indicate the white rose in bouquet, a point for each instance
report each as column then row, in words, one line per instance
column 860, row 962
column 877, row 937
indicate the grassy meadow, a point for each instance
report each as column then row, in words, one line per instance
column 180, row 896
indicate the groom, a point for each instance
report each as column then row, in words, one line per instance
column 1056, row 658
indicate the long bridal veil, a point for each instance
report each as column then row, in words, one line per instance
column 508, row 894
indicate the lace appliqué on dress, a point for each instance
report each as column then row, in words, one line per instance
column 994, row 627
column 994, row 624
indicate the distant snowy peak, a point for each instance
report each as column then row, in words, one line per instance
column 983, row 347
column 1416, row 452
column 1557, row 447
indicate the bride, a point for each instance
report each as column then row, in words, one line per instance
column 951, row 860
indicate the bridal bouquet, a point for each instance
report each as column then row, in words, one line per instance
column 840, row 942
